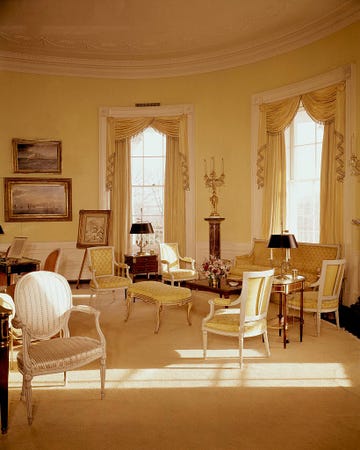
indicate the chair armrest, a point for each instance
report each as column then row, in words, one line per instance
column 188, row 260
column 123, row 270
column 166, row 263
column 218, row 301
column 87, row 310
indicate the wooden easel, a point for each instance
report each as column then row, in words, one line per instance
column 81, row 269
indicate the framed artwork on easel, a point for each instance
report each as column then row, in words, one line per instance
column 93, row 231
column 93, row 228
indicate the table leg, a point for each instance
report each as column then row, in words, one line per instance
column 188, row 312
column 280, row 312
column 285, row 319
column 301, row 313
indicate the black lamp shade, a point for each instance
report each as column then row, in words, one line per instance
column 1, row 230
column 141, row 228
column 282, row 241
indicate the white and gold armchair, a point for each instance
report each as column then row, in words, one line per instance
column 244, row 317
column 171, row 270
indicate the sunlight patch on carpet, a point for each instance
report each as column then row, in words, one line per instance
column 201, row 374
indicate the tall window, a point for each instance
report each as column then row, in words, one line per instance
column 303, row 147
column 148, row 153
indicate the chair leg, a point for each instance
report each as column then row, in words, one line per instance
column 102, row 377
column 266, row 342
column 204, row 343
column 337, row 319
column 241, row 347
column 318, row 321
column 28, row 397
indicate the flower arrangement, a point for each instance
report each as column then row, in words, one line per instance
column 215, row 267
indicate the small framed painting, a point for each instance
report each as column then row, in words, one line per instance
column 37, row 199
column 93, row 228
column 36, row 156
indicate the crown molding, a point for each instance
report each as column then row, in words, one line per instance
column 180, row 66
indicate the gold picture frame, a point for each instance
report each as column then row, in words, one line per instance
column 37, row 199
column 36, row 156
column 93, row 227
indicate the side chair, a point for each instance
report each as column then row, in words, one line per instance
column 43, row 303
column 102, row 266
column 243, row 317
column 171, row 270
column 324, row 297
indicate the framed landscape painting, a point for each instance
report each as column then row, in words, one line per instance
column 93, row 227
column 37, row 199
column 36, row 156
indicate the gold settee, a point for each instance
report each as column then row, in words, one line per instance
column 307, row 259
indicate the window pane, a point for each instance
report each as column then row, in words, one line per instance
column 154, row 143
column 148, row 151
column 303, row 152
column 137, row 175
column 304, row 162
column 153, row 171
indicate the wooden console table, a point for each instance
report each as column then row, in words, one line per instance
column 142, row 264
column 4, row 366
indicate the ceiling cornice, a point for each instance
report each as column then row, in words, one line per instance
column 183, row 65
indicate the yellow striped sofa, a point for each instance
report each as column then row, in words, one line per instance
column 307, row 259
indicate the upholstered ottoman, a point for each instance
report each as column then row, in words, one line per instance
column 161, row 295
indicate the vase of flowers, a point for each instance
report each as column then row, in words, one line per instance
column 215, row 269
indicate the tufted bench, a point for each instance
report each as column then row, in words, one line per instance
column 161, row 295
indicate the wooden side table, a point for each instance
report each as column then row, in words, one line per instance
column 4, row 366
column 285, row 286
column 142, row 265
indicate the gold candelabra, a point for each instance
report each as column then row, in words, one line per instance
column 212, row 182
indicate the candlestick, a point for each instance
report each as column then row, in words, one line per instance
column 212, row 181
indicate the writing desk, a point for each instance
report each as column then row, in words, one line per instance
column 11, row 266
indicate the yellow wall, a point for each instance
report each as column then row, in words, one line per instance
column 66, row 108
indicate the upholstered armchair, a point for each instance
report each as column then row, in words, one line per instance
column 52, row 261
column 171, row 270
column 244, row 317
column 102, row 266
column 43, row 303
column 324, row 297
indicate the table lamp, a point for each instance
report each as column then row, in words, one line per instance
column 286, row 241
column 141, row 228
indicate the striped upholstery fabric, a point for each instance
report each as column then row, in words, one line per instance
column 325, row 298
column 43, row 303
column 247, row 321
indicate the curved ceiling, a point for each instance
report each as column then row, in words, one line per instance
column 158, row 38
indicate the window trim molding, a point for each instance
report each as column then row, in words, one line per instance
column 152, row 111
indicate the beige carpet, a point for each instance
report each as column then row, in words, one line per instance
column 161, row 394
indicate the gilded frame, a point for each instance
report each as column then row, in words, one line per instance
column 93, row 228
column 37, row 199
column 36, row 156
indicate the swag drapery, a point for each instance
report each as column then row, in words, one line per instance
column 118, row 175
column 327, row 106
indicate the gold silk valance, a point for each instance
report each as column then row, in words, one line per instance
column 323, row 106
column 123, row 129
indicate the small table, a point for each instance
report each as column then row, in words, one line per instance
column 11, row 266
column 4, row 366
column 285, row 286
column 142, row 264
column 224, row 290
